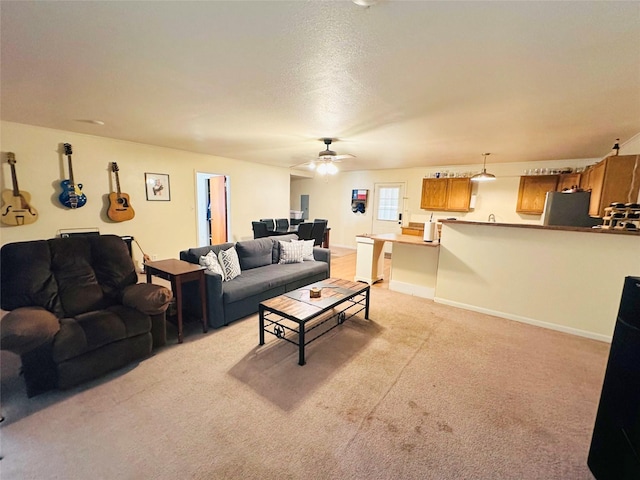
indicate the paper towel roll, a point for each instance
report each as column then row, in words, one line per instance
column 429, row 231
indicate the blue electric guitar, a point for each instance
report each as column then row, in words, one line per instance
column 71, row 196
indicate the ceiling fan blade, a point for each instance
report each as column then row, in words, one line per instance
column 345, row 156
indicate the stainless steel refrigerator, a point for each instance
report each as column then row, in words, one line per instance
column 568, row 209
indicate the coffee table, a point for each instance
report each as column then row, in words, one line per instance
column 295, row 314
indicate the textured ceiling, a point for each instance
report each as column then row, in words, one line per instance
column 401, row 84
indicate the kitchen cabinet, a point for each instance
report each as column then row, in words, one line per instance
column 533, row 192
column 614, row 179
column 446, row 194
column 568, row 180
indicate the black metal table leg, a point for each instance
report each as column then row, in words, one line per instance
column 366, row 303
column 301, row 341
column 261, row 325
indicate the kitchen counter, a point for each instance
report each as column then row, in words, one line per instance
column 414, row 262
column 399, row 238
column 564, row 278
column 546, row 227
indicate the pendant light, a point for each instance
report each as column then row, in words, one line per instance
column 483, row 176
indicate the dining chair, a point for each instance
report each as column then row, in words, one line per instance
column 317, row 231
column 304, row 231
column 282, row 224
column 271, row 226
column 259, row 229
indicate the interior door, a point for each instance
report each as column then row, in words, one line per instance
column 388, row 205
column 217, row 210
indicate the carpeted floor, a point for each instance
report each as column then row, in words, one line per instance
column 421, row 391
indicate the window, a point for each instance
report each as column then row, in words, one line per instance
column 388, row 203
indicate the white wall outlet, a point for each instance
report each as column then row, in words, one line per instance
column 154, row 257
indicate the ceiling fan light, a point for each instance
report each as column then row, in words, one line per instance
column 331, row 169
column 312, row 166
column 322, row 169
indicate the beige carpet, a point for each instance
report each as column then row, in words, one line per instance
column 421, row 391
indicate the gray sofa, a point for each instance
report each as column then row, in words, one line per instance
column 262, row 278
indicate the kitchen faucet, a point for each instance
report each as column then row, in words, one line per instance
column 492, row 218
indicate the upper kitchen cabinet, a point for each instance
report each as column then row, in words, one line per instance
column 568, row 181
column 614, row 179
column 446, row 194
column 533, row 192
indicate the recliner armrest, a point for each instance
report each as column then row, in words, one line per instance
column 26, row 328
column 147, row 298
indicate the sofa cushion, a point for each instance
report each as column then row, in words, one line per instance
column 93, row 330
column 294, row 272
column 27, row 279
column 230, row 263
column 255, row 253
column 257, row 280
column 291, row 252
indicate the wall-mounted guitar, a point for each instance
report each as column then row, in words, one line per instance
column 71, row 196
column 16, row 209
column 120, row 208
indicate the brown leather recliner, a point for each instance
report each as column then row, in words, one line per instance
column 76, row 309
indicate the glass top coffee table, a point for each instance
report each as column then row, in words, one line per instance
column 294, row 315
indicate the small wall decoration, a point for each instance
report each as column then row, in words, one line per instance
column 359, row 200
column 157, row 186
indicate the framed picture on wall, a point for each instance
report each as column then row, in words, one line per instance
column 157, row 186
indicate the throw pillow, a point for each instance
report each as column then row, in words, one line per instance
column 291, row 252
column 230, row 263
column 211, row 262
column 307, row 250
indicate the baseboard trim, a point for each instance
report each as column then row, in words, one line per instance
column 410, row 289
column 527, row 320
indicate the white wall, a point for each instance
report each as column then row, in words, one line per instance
column 161, row 228
column 566, row 280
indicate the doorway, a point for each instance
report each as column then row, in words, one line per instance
column 212, row 208
column 388, row 207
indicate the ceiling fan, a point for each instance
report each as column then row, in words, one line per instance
column 325, row 163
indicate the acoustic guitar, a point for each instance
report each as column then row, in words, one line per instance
column 120, row 208
column 71, row 196
column 16, row 209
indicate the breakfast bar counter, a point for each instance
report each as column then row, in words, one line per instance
column 564, row 278
column 414, row 263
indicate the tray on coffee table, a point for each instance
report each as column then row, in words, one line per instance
column 294, row 315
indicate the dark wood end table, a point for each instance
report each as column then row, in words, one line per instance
column 179, row 272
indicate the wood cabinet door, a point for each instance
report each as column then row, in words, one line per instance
column 619, row 179
column 459, row 194
column 585, row 179
column 434, row 194
column 568, row 180
column 596, row 182
column 533, row 192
